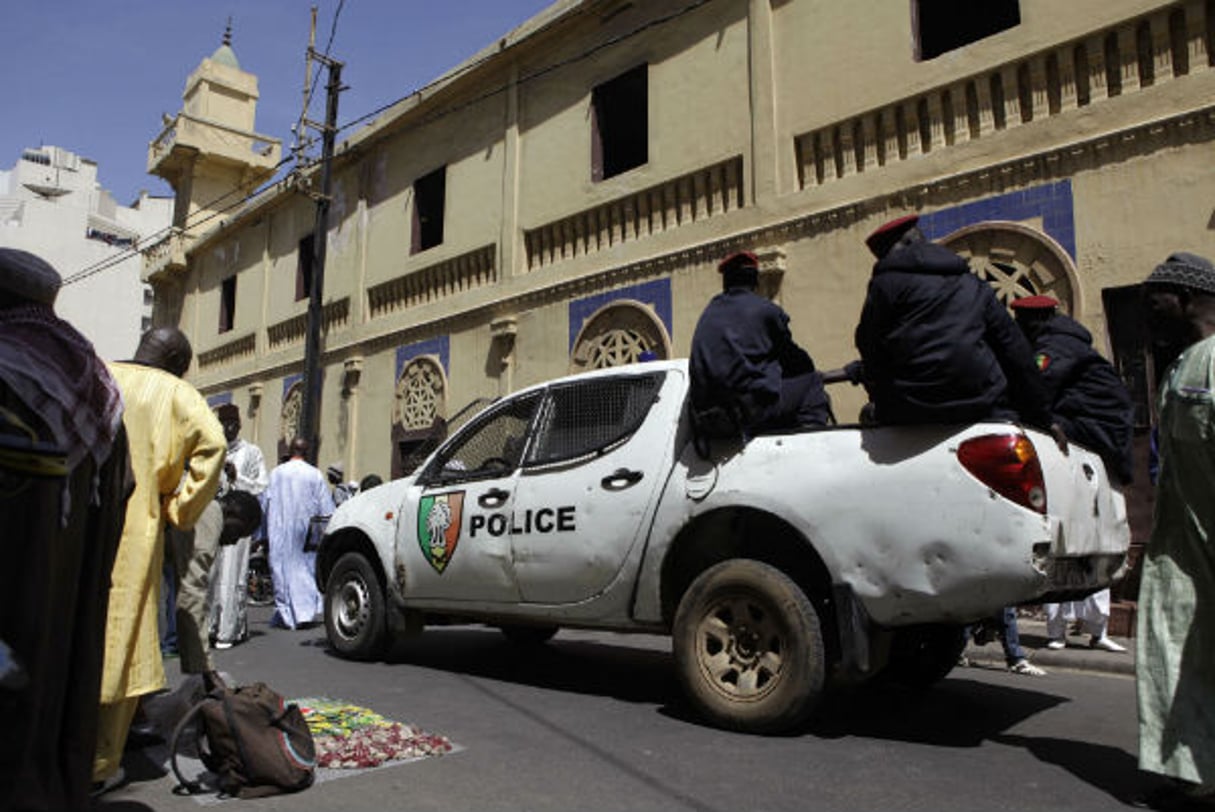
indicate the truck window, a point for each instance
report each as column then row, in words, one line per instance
column 491, row 446
column 588, row 417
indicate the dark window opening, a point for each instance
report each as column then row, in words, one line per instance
column 227, row 304
column 620, row 124
column 1113, row 66
column 429, row 193
column 303, row 269
column 944, row 25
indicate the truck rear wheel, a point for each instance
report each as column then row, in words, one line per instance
column 355, row 614
column 748, row 648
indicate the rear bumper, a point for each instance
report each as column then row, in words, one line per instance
column 1074, row 577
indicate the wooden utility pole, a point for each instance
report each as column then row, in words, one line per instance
column 310, row 419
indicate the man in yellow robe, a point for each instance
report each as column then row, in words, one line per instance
column 171, row 430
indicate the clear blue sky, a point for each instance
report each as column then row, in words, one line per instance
column 94, row 77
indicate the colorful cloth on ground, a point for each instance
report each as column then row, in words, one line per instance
column 170, row 428
column 296, row 493
column 1175, row 659
column 350, row 737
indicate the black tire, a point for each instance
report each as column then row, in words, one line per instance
column 748, row 648
column 356, row 619
column 922, row 656
column 528, row 636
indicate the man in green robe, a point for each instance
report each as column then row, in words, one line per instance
column 1176, row 634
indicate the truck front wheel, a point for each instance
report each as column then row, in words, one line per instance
column 355, row 614
column 748, row 648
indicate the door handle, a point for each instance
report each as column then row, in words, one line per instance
column 620, row 479
column 493, row 498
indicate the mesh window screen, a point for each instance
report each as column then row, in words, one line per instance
column 588, row 417
column 493, row 447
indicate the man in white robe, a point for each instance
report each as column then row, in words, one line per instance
column 245, row 470
column 296, row 493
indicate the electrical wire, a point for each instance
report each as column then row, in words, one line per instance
column 117, row 259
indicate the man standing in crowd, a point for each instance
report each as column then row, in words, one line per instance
column 342, row 490
column 1175, row 658
column 297, row 492
column 64, row 482
column 936, row 345
column 1091, row 404
column 228, row 518
column 245, row 468
column 171, row 429
column 747, row 372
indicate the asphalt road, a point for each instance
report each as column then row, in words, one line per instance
column 595, row 721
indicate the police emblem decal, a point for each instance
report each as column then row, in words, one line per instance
column 439, row 518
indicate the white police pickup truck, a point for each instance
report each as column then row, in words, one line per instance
column 776, row 565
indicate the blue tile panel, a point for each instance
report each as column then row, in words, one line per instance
column 1052, row 202
column 440, row 346
column 656, row 294
column 290, row 381
column 219, row 399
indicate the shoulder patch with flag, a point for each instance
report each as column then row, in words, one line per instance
column 1042, row 360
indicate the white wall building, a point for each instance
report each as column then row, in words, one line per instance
column 52, row 205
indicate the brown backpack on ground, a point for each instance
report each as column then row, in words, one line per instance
column 256, row 744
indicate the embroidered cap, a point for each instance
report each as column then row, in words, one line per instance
column 1185, row 270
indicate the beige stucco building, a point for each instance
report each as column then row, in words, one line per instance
column 560, row 200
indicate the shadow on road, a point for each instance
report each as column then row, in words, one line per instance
column 1108, row 768
column 581, row 666
column 958, row 712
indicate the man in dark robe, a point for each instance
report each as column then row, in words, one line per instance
column 64, row 482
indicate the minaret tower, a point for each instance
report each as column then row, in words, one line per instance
column 209, row 153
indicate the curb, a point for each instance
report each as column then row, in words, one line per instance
column 1076, row 657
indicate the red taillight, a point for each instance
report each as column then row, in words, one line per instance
column 1008, row 464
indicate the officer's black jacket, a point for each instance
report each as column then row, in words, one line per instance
column 938, row 347
column 1088, row 398
column 742, row 345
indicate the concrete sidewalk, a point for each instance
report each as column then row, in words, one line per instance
column 1076, row 657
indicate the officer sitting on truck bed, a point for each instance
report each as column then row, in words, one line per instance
column 747, row 373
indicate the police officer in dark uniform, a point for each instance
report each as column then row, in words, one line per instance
column 1089, row 400
column 936, row 345
column 747, row 373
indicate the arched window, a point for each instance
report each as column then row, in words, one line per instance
column 419, row 413
column 622, row 332
column 290, row 417
column 420, row 396
column 1018, row 260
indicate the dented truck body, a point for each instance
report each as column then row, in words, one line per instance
column 585, row 503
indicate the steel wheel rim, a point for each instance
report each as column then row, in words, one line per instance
column 351, row 607
column 741, row 647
